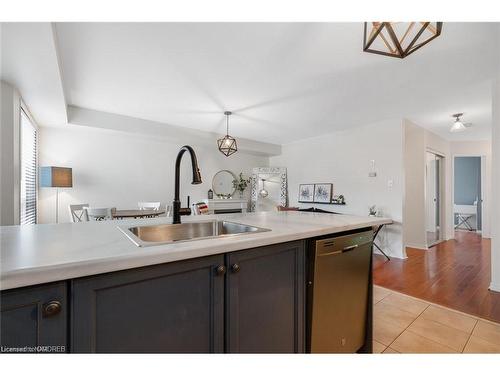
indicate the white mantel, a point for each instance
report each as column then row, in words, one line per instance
column 226, row 204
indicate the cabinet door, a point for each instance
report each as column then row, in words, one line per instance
column 265, row 299
column 34, row 318
column 171, row 308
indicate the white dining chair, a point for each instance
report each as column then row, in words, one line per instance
column 100, row 214
column 149, row 205
column 77, row 212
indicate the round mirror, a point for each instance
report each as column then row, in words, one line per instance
column 222, row 183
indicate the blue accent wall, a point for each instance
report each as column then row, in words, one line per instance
column 467, row 184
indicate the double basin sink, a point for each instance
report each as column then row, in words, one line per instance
column 149, row 235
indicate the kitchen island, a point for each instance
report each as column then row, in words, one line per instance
column 88, row 288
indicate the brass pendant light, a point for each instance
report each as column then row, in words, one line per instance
column 227, row 144
column 399, row 39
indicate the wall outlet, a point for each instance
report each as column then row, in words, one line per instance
column 390, row 184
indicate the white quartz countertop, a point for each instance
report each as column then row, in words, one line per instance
column 37, row 254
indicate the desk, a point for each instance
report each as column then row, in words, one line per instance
column 375, row 233
column 465, row 212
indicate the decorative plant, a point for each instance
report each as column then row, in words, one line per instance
column 373, row 210
column 241, row 183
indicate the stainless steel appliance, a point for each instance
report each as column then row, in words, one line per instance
column 339, row 293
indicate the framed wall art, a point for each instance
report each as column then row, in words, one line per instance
column 323, row 193
column 306, row 193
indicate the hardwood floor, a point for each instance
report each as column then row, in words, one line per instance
column 455, row 274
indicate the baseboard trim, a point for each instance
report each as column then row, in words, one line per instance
column 389, row 254
column 494, row 287
column 419, row 247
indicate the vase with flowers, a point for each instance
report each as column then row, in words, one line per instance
column 240, row 184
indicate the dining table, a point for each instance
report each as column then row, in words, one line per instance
column 136, row 213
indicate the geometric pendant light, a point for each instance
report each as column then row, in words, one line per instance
column 399, row 39
column 227, row 144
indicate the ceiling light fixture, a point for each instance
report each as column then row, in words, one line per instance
column 263, row 192
column 458, row 126
column 399, row 39
column 227, row 144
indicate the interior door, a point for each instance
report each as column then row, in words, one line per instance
column 433, row 186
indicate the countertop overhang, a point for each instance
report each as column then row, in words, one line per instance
column 37, row 254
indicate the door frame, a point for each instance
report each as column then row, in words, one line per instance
column 442, row 198
column 484, row 197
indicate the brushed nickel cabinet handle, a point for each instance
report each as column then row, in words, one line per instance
column 51, row 308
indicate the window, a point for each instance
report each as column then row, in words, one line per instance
column 29, row 169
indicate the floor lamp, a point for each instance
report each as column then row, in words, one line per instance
column 56, row 177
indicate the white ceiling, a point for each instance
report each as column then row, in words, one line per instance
column 283, row 81
column 29, row 62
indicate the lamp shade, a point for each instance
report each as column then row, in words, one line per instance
column 60, row 177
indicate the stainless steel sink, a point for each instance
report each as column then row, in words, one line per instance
column 148, row 235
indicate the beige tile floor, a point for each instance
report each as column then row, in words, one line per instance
column 403, row 324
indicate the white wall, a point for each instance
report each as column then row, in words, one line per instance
column 435, row 143
column 495, row 212
column 414, row 186
column 343, row 158
column 176, row 134
column 477, row 148
column 116, row 169
column 9, row 162
column 417, row 141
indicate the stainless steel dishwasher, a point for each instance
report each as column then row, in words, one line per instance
column 338, row 293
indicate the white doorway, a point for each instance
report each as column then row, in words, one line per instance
column 468, row 193
column 434, row 192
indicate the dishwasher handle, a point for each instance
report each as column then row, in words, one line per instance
column 349, row 248
column 337, row 252
column 342, row 244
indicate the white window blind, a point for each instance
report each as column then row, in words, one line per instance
column 29, row 170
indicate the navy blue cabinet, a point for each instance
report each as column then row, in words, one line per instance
column 248, row 301
column 34, row 319
column 170, row 308
column 265, row 299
